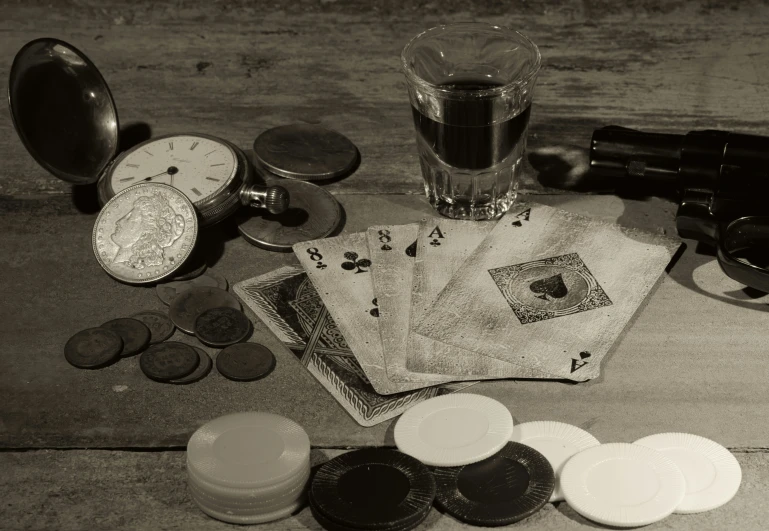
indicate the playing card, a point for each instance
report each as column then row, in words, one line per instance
column 287, row 302
column 442, row 247
column 549, row 289
column 340, row 269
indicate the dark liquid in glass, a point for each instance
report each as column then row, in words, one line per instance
column 466, row 139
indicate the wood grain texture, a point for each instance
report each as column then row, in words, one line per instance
column 234, row 68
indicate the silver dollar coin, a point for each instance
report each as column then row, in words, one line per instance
column 305, row 152
column 145, row 233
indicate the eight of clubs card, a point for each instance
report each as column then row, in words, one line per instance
column 340, row 269
column 549, row 289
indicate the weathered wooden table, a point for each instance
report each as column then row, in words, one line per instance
column 105, row 449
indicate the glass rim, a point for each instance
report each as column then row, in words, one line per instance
column 465, row 94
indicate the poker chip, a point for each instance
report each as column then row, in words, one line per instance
column 245, row 362
column 330, row 525
column 557, row 442
column 249, row 468
column 248, row 450
column 204, row 367
column 712, row 473
column 372, row 488
column 168, row 361
column 454, row 430
column 623, row 485
column 502, row 489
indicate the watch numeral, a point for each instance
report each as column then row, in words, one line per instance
column 221, row 164
column 127, row 179
column 207, row 154
column 132, row 165
column 194, row 145
column 171, row 145
column 212, row 179
column 197, row 192
column 148, row 153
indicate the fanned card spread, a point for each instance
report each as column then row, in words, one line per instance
column 387, row 318
column 550, row 290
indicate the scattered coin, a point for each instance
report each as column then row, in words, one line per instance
column 306, row 152
column 193, row 270
column 189, row 304
column 134, row 333
column 169, row 361
column 221, row 282
column 245, row 362
column 314, row 213
column 204, row 367
column 130, row 241
column 219, row 327
column 160, row 325
column 93, row 348
column 168, row 291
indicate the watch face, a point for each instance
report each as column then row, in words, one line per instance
column 198, row 166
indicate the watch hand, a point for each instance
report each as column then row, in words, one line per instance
column 153, row 176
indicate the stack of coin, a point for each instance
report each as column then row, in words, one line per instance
column 249, row 468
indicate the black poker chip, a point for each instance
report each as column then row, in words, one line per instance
column 373, row 488
column 330, row 525
column 507, row 487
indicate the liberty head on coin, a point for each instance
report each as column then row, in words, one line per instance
column 145, row 233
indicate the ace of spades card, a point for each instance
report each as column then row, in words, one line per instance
column 340, row 269
column 287, row 302
column 550, row 290
column 442, row 247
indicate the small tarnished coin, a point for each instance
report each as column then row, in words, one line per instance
column 160, row 325
column 221, row 282
column 168, row 291
column 314, row 213
column 145, row 233
column 168, row 361
column 306, row 152
column 220, row 327
column 190, row 271
column 93, row 348
column 134, row 333
column 204, row 367
column 245, row 362
column 189, row 304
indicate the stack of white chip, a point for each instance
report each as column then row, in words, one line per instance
column 249, row 468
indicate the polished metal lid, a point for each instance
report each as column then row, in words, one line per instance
column 63, row 110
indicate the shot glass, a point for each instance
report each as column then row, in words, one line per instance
column 470, row 87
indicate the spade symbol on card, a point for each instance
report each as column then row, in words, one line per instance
column 552, row 287
column 411, row 250
column 525, row 215
column 579, row 363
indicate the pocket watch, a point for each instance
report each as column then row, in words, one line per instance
column 66, row 117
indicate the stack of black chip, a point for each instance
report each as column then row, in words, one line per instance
column 509, row 486
column 372, row 489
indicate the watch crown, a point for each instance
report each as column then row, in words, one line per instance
column 277, row 199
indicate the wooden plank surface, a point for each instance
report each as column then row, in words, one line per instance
column 75, row 490
column 693, row 361
column 234, row 68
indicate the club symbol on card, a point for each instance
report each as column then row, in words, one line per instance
column 552, row 287
column 320, row 265
column 374, row 311
column 354, row 263
column 435, row 243
column 549, row 287
column 577, row 364
column 435, row 234
column 411, row 250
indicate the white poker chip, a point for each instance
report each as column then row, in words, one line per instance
column 245, row 498
column 712, row 473
column 454, row 430
column 557, row 442
column 230, row 517
column 248, row 450
column 623, row 485
column 245, row 508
